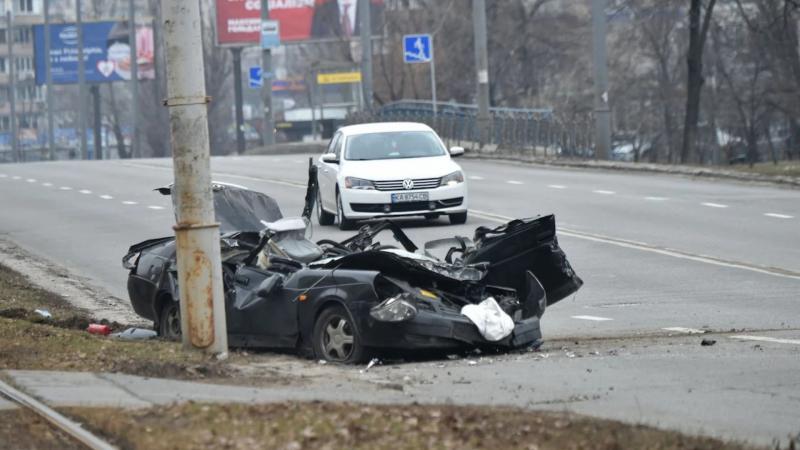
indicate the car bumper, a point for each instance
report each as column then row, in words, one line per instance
column 364, row 204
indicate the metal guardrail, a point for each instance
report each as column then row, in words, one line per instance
column 541, row 136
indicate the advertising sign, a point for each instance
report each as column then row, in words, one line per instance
column 270, row 34
column 339, row 78
column 106, row 52
column 239, row 21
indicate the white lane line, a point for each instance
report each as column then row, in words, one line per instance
column 714, row 205
column 603, row 192
column 766, row 339
column 779, row 216
column 106, row 197
column 128, row 202
column 298, row 161
column 476, row 177
column 514, row 182
column 645, row 247
column 2, row 175
column 684, row 330
column 85, row 191
column 16, row 177
column 155, row 207
column 31, row 180
column 592, row 318
column 47, row 184
column 656, row 199
column 65, row 188
column 556, row 186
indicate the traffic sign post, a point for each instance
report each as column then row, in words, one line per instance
column 418, row 49
column 254, row 79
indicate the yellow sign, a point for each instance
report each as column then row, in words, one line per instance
column 339, row 78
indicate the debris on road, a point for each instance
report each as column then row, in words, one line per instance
column 135, row 334
column 708, row 342
column 372, row 362
column 96, row 328
column 44, row 313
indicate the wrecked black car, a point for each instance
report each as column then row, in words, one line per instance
column 343, row 301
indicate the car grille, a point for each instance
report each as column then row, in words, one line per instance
column 397, row 185
column 378, row 208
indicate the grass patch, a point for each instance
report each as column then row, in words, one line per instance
column 24, row 430
column 352, row 426
column 783, row 168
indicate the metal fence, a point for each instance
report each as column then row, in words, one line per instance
column 540, row 135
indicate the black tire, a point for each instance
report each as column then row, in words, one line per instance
column 336, row 337
column 169, row 321
column 344, row 223
column 323, row 217
column 458, row 218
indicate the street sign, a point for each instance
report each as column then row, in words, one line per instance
column 254, row 79
column 417, row 48
column 270, row 34
column 339, row 78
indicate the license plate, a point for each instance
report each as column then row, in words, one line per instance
column 404, row 197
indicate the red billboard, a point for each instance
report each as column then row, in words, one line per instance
column 239, row 21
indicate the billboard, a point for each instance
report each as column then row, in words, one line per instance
column 239, row 21
column 105, row 51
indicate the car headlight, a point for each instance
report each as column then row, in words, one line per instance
column 358, row 183
column 394, row 309
column 453, row 178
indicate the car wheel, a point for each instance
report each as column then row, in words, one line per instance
column 323, row 217
column 169, row 321
column 344, row 222
column 336, row 337
column 458, row 218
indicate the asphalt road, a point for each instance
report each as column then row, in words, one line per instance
column 659, row 254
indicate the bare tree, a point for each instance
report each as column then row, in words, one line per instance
column 700, row 14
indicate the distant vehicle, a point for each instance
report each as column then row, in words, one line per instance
column 389, row 169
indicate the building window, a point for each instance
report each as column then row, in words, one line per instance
column 22, row 35
column 3, row 36
column 26, row 6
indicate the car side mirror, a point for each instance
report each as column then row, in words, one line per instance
column 269, row 286
column 456, row 151
column 330, row 158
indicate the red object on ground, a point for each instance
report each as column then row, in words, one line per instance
column 96, row 328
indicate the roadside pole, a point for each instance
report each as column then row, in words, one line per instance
column 482, row 64
column 51, row 144
column 266, row 88
column 238, row 98
column 81, row 83
column 196, row 232
column 365, row 28
column 98, row 121
column 134, row 79
column 602, row 112
column 12, row 86
column 433, row 79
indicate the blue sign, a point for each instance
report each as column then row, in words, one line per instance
column 254, row 79
column 106, row 52
column 417, row 48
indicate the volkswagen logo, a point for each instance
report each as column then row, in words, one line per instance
column 408, row 184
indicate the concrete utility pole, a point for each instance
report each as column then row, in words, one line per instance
column 365, row 28
column 12, row 86
column 482, row 64
column 238, row 98
column 81, row 83
column 196, row 232
column 97, row 121
column 602, row 111
column 134, row 79
column 266, row 87
column 51, row 141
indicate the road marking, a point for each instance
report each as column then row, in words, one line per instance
column 85, row 191
column 592, row 318
column 298, row 161
column 31, row 180
column 778, row 216
column 556, row 186
column 128, row 202
column 476, row 177
column 602, row 192
column 656, row 199
column 2, row 175
column 65, row 188
column 684, row 330
column 766, row 339
column 106, row 197
column 775, row 271
column 155, row 207
column 514, row 182
column 16, row 177
column 47, row 184
column 714, row 205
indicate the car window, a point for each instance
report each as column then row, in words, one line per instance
column 337, row 149
column 393, row 145
column 334, row 141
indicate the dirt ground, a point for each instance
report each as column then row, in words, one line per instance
column 24, row 430
column 294, row 426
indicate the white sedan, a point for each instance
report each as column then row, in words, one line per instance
column 389, row 169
